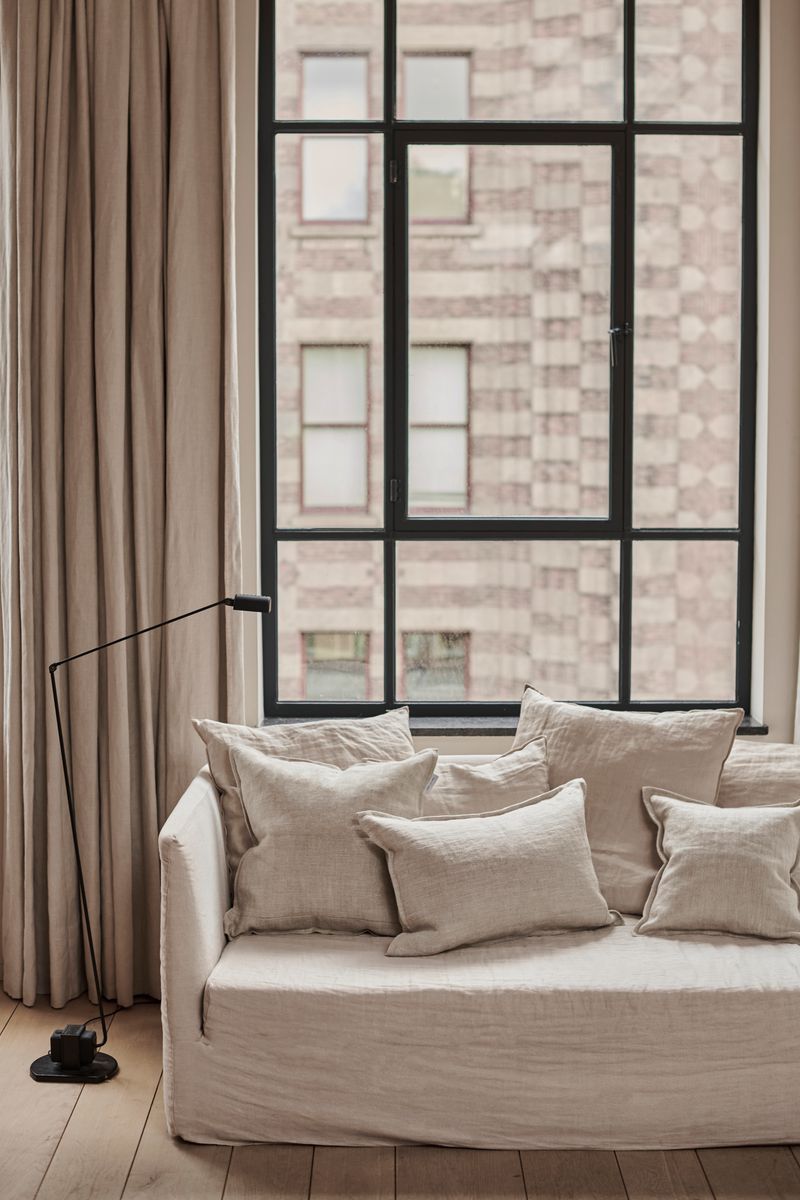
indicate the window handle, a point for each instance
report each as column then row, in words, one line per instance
column 614, row 333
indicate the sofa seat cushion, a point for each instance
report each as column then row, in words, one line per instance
column 580, row 1039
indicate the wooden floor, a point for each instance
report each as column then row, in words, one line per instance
column 108, row 1142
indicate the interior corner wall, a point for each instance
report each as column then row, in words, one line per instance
column 776, row 586
column 776, row 627
column 247, row 335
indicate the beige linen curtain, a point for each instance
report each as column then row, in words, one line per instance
column 118, row 459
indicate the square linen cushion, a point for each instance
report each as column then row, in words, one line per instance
column 310, row 868
column 339, row 743
column 724, row 870
column 760, row 772
column 618, row 754
column 465, row 879
column 462, row 788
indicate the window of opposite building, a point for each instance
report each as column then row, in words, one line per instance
column 507, row 286
column 335, row 666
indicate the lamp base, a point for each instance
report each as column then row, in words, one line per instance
column 101, row 1068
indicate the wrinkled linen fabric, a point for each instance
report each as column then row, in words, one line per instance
column 618, row 754
column 464, row 879
column 338, row 743
column 311, row 867
column 760, row 772
column 583, row 1039
column 724, row 870
column 463, row 788
column 119, row 475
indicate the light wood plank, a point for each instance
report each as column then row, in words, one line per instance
column 167, row 1169
column 427, row 1171
column 95, row 1154
column 7, row 1006
column 32, row 1115
column 354, row 1172
column 752, row 1173
column 663, row 1175
column 572, row 1175
column 269, row 1173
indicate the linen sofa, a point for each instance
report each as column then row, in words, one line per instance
column 600, row 1039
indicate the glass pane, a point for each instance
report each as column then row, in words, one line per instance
column 335, row 178
column 534, row 61
column 435, row 666
column 334, row 385
column 686, row 348
column 541, row 612
column 438, row 385
column 336, row 666
column 317, row 43
column 334, row 468
column 436, row 87
column 329, row 297
column 334, row 87
column 438, row 469
column 689, row 60
column 438, row 183
column 684, row 621
column 330, row 592
column 528, row 282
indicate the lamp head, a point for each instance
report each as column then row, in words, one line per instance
column 260, row 604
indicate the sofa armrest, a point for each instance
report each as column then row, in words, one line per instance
column 195, row 895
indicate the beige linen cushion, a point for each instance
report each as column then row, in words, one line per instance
column 339, row 743
column 618, row 754
column 760, row 772
column 310, row 868
column 461, row 789
column 464, row 879
column 732, row 871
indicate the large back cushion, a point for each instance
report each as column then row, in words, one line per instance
column 337, row 743
column 618, row 754
column 760, row 772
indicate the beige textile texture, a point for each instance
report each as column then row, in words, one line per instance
column 760, row 772
column 339, row 743
column 461, row 788
column 118, row 456
column 311, row 869
column 618, row 754
column 460, row 880
column 734, row 871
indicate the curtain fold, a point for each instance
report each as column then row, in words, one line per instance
column 118, row 458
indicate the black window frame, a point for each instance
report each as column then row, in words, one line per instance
column 618, row 527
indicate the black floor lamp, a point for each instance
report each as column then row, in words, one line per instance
column 74, row 1050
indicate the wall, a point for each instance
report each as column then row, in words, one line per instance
column 777, row 575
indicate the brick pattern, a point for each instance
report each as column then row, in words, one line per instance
column 524, row 282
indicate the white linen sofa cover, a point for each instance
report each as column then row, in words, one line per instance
column 598, row 1039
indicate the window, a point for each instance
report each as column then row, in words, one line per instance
column 508, row 354
column 435, row 666
column 336, row 666
column 334, row 441
column 438, row 423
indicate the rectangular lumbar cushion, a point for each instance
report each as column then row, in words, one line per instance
column 724, row 870
column 461, row 788
column 463, row 879
column 310, row 868
column 618, row 754
column 339, row 743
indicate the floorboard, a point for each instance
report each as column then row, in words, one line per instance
column 269, row 1173
column 7, row 1006
column 572, row 1175
column 94, row 1156
column 752, row 1173
column 33, row 1116
column 352, row 1173
column 167, row 1169
column 663, row 1175
column 424, row 1172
